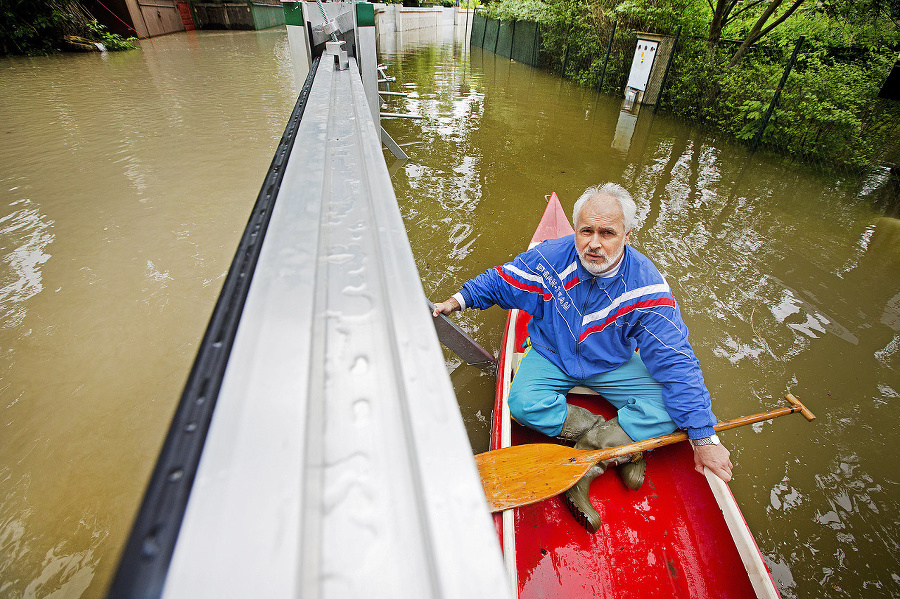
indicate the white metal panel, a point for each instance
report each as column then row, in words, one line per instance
column 644, row 55
column 336, row 464
column 298, row 41
column 368, row 67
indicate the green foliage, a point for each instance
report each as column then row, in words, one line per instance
column 30, row 26
column 825, row 108
column 828, row 111
column 663, row 17
column 37, row 27
column 850, row 29
column 112, row 41
column 571, row 33
column 518, row 10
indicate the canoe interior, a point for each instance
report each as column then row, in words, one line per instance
column 666, row 540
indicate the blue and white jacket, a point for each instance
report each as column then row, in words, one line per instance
column 587, row 325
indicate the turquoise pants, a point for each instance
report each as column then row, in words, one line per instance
column 537, row 397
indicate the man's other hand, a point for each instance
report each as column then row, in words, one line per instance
column 715, row 457
column 446, row 307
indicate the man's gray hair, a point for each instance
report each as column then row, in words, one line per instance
column 621, row 195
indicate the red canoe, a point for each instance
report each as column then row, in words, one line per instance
column 680, row 535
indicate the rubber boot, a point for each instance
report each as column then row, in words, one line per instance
column 578, row 421
column 601, row 436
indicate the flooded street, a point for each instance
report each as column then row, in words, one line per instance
column 125, row 183
column 788, row 277
column 127, row 179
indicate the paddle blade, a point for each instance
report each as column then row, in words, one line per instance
column 461, row 344
column 525, row 474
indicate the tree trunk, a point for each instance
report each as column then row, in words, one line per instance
column 720, row 18
column 758, row 30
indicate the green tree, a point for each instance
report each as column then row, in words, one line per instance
column 866, row 9
column 44, row 26
column 768, row 16
column 30, row 26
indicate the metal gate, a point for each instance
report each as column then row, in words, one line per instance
column 155, row 17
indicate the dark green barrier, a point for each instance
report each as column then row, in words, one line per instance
column 526, row 43
column 477, row 35
column 505, row 38
column 519, row 40
column 491, row 29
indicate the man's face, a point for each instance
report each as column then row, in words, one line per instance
column 600, row 236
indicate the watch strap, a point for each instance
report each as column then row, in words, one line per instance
column 711, row 440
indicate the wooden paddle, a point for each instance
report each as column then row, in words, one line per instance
column 525, row 474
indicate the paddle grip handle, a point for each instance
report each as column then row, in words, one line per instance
column 803, row 409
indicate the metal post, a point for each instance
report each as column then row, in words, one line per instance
column 662, row 84
column 392, row 145
column 497, row 39
column 466, row 31
column 608, row 50
column 787, row 71
column 483, row 29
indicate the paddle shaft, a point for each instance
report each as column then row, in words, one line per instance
column 598, row 455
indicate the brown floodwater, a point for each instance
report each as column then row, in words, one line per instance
column 125, row 183
column 788, row 278
column 126, row 180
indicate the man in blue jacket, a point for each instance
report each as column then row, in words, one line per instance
column 604, row 318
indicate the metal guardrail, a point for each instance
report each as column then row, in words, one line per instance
column 145, row 560
column 336, row 463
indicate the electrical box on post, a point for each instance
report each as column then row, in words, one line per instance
column 652, row 55
column 644, row 56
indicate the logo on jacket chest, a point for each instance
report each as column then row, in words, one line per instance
column 555, row 286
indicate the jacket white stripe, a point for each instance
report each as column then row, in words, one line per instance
column 524, row 275
column 627, row 296
column 569, row 270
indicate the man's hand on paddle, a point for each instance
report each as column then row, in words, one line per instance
column 715, row 457
column 446, row 307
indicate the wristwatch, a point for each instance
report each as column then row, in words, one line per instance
column 711, row 440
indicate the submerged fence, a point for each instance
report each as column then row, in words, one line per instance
column 519, row 40
column 802, row 101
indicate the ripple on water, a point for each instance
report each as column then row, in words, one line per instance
column 25, row 234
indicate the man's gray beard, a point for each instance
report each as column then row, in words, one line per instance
column 597, row 269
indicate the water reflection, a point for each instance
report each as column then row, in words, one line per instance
column 789, row 279
column 126, row 181
column 25, row 233
column 66, row 569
